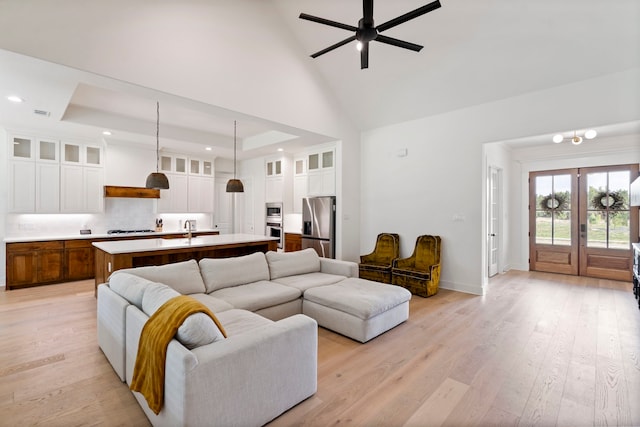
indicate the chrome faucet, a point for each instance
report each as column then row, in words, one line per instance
column 187, row 225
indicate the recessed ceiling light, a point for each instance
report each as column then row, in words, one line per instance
column 106, row 133
column 15, row 98
column 208, row 148
column 280, row 149
column 590, row 134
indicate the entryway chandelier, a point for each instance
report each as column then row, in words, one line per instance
column 576, row 139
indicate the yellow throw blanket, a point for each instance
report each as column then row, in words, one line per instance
column 148, row 374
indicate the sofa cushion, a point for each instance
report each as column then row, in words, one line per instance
column 216, row 305
column 237, row 321
column 128, row 286
column 358, row 297
column 282, row 264
column 219, row 273
column 309, row 280
column 184, row 276
column 197, row 330
column 257, row 295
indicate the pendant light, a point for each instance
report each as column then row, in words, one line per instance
column 156, row 179
column 234, row 185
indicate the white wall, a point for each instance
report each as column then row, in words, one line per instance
column 440, row 186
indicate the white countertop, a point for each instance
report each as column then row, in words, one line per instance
column 148, row 245
column 115, row 236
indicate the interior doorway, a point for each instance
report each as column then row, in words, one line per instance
column 580, row 221
column 494, row 214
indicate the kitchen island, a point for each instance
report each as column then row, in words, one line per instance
column 116, row 255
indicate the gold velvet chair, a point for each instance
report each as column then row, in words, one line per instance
column 376, row 266
column 420, row 273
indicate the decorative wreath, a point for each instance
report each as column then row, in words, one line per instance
column 608, row 200
column 554, row 202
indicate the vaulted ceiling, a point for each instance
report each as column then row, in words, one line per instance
column 69, row 58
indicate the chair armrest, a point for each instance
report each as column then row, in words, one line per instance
column 404, row 262
column 339, row 267
column 367, row 258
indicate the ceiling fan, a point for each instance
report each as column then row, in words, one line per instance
column 366, row 31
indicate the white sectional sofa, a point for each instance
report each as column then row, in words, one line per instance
column 268, row 362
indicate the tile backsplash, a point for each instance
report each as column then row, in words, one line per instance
column 119, row 213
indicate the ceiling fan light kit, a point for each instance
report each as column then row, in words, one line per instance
column 366, row 31
column 576, row 139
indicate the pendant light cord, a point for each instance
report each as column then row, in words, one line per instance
column 234, row 149
column 157, row 136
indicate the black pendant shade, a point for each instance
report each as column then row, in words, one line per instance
column 235, row 186
column 157, row 180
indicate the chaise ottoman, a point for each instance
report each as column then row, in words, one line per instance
column 357, row 308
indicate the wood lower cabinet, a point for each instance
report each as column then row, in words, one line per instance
column 34, row 263
column 79, row 259
column 292, row 242
column 55, row 261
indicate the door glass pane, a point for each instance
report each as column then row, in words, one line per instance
column 553, row 210
column 71, row 153
column 195, row 166
column 207, row 168
column 299, row 167
column 314, row 161
column 327, row 159
column 181, row 165
column 608, row 210
column 47, row 150
column 279, row 167
column 165, row 163
column 93, row 155
column 22, row 148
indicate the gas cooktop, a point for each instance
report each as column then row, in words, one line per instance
column 129, row 231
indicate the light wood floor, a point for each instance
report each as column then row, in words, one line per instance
column 538, row 349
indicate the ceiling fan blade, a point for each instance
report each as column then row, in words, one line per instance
column 327, row 22
column 364, row 56
column 409, row 15
column 367, row 12
column 335, row 46
column 399, row 43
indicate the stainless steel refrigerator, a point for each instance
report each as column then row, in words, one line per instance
column 318, row 225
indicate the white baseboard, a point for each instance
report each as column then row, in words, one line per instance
column 468, row 289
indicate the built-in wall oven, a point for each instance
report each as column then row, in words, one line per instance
column 274, row 222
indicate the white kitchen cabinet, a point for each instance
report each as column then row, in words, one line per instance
column 201, row 191
column 75, row 153
column 191, row 187
column 81, row 189
column 21, row 148
column 274, row 168
column 300, row 190
column 34, row 175
column 274, row 188
column 22, row 186
column 300, row 183
column 47, row 182
column 321, row 173
column 175, row 199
